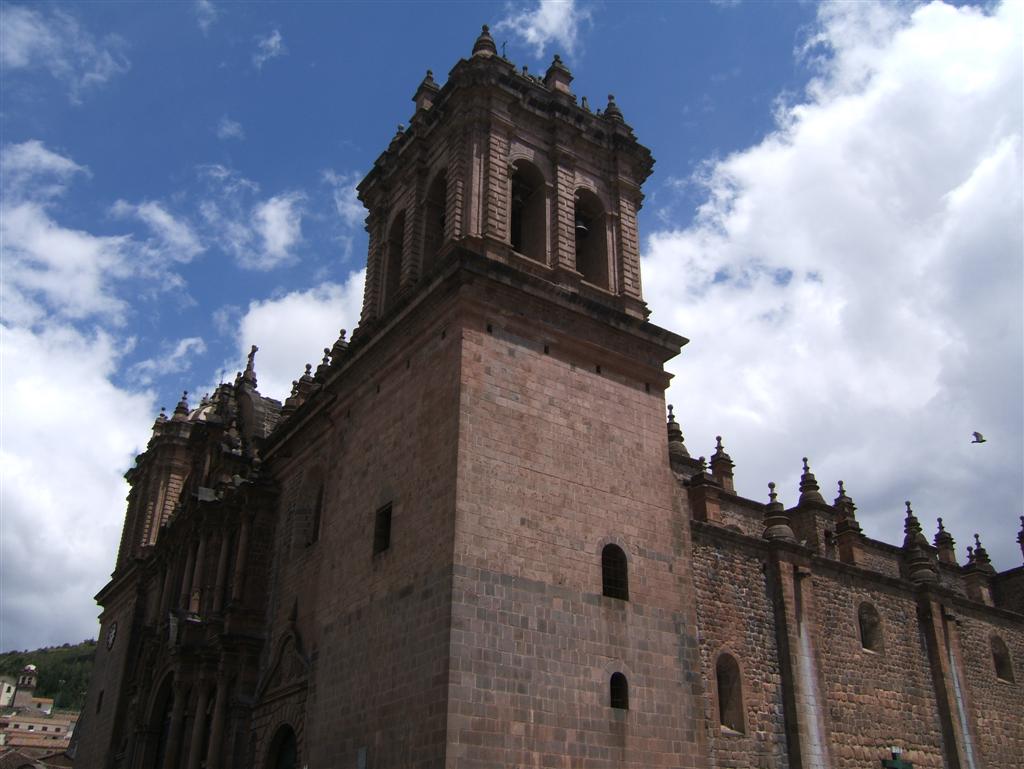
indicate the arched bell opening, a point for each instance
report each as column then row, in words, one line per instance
column 528, row 212
column 590, row 224
column 435, row 211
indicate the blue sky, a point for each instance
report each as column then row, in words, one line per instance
column 834, row 219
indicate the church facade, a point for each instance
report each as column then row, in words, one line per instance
column 470, row 537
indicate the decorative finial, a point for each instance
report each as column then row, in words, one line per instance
column 612, row 110
column 327, row 356
column 676, row 447
column 809, row 490
column 181, row 410
column 484, row 45
column 703, row 464
column 945, row 545
column 672, row 418
column 776, row 522
column 309, row 367
column 981, row 559
column 722, row 465
column 250, row 367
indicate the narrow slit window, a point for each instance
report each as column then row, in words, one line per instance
column 870, row 627
column 730, row 693
column 1001, row 660
column 614, row 573
column 619, row 687
column 382, row 529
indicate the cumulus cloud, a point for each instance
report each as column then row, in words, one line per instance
column 229, row 129
column 66, row 437
column 278, row 223
column 174, row 358
column 293, row 329
column 852, row 282
column 346, row 199
column 52, row 269
column 549, row 23
column 259, row 234
column 267, row 48
column 31, row 171
column 174, row 238
column 52, row 40
column 206, row 15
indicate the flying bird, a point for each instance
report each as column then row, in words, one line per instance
column 978, row 437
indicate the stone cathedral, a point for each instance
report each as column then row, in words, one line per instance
column 470, row 538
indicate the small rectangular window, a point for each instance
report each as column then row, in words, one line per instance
column 99, row 701
column 382, row 529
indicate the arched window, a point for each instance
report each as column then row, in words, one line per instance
column 528, row 211
column 591, row 239
column 614, row 573
column 730, row 693
column 619, row 688
column 434, row 213
column 1001, row 660
column 284, row 751
column 870, row 627
column 160, row 722
column 393, row 263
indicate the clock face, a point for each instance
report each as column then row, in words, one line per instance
column 111, row 635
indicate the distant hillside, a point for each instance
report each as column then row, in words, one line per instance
column 63, row 671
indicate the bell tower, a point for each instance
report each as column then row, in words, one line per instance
column 508, row 165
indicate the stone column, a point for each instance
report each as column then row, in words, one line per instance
column 374, row 266
column 563, row 241
column 195, row 753
column 186, row 577
column 174, row 735
column 213, row 758
column 222, row 572
column 195, row 603
column 240, row 558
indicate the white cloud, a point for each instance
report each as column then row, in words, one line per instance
column 30, row 171
column 52, row 268
column 175, row 239
column 852, row 282
column 54, row 41
column 267, row 48
column 346, row 198
column 229, row 129
column 260, row 234
column 292, row 330
column 70, row 273
column 206, row 15
column 66, row 437
column 173, row 360
column 549, row 22
column 278, row 222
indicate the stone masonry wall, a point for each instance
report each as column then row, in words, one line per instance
column 375, row 626
column 875, row 699
column 735, row 615
column 997, row 705
column 555, row 461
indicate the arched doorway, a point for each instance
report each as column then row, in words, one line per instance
column 284, row 750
